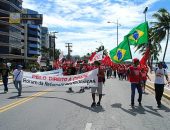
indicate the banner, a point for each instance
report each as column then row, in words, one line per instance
column 88, row 79
column 98, row 56
column 15, row 18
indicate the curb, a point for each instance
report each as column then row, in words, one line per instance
column 164, row 94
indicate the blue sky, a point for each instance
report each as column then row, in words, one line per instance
column 84, row 22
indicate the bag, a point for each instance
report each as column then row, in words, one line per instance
column 16, row 78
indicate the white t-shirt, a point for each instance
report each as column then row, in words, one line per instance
column 159, row 75
column 19, row 73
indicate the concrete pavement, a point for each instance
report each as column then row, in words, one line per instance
column 58, row 110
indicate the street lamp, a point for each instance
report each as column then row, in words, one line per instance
column 146, row 9
column 118, row 25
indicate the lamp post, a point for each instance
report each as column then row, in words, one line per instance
column 117, row 25
column 146, row 9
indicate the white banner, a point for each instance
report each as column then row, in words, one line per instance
column 98, row 56
column 88, row 79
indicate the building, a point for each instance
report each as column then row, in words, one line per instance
column 10, row 34
column 52, row 45
column 44, row 37
column 44, row 46
column 31, row 34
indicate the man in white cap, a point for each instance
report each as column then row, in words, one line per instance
column 18, row 75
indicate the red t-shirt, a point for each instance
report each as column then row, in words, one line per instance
column 144, row 75
column 135, row 74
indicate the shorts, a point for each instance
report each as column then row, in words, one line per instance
column 99, row 88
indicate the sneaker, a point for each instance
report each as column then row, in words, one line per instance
column 5, row 91
column 132, row 105
column 93, row 104
column 70, row 90
column 98, row 104
column 80, row 90
column 140, row 104
column 159, row 106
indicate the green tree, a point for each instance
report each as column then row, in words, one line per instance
column 154, row 45
column 57, row 53
column 161, row 27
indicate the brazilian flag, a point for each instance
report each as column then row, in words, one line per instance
column 139, row 34
column 121, row 52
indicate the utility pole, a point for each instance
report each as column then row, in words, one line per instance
column 69, row 45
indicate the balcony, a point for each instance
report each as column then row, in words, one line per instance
column 34, row 39
column 34, row 45
column 33, row 52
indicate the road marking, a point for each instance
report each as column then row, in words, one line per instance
column 16, row 103
column 88, row 126
column 166, row 85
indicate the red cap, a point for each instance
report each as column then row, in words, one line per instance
column 135, row 60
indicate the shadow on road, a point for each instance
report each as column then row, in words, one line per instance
column 137, row 110
column 13, row 97
column 166, row 109
column 95, row 109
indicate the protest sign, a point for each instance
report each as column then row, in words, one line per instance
column 88, row 79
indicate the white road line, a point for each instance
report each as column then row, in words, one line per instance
column 88, row 126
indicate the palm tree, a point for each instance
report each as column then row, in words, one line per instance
column 57, row 53
column 161, row 27
column 153, row 44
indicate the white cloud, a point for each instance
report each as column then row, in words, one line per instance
column 91, row 17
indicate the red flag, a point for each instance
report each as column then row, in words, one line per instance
column 92, row 55
column 145, row 57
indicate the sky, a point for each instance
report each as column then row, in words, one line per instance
column 84, row 23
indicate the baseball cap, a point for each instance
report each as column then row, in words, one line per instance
column 20, row 66
column 135, row 60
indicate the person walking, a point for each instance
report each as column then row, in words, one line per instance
column 160, row 73
column 101, row 76
column 18, row 75
column 134, row 75
column 71, row 71
column 4, row 72
column 144, row 77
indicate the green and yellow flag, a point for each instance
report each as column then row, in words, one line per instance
column 121, row 52
column 139, row 34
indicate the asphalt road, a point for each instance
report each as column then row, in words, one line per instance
column 55, row 109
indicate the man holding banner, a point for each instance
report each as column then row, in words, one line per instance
column 101, row 77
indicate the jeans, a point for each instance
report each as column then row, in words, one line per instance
column 133, row 88
column 18, row 86
column 5, row 82
column 159, row 89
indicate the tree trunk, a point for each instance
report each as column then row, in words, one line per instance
column 166, row 45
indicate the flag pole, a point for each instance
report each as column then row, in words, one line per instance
column 129, row 47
